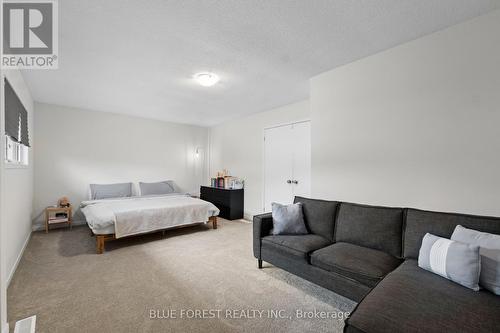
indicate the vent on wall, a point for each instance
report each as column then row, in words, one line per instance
column 26, row 325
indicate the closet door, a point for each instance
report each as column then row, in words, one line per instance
column 278, row 160
column 287, row 163
column 301, row 160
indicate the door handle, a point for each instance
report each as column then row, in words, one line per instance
column 288, row 181
column 295, row 182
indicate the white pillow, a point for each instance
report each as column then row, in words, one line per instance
column 108, row 191
column 489, row 248
column 455, row 261
column 157, row 188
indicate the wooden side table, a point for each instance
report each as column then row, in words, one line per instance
column 50, row 216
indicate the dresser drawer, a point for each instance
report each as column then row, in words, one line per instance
column 229, row 202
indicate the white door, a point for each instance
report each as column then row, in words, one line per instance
column 287, row 163
column 301, row 173
column 278, row 158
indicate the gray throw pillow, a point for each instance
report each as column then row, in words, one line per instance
column 107, row 191
column 288, row 219
column 458, row 262
column 489, row 249
column 165, row 187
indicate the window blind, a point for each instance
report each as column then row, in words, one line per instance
column 25, row 139
column 11, row 112
column 16, row 117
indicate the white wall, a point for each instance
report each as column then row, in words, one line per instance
column 237, row 146
column 417, row 125
column 3, row 280
column 18, row 186
column 16, row 196
column 78, row 147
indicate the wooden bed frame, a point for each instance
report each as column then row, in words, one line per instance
column 102, row 239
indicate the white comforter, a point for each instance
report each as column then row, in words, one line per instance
column 136, row 215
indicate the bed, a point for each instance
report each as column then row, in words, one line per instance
column 113, row 218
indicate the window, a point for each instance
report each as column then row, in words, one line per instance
column 16, row 129
column 15, row 153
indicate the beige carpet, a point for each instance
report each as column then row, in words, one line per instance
column 71, row 289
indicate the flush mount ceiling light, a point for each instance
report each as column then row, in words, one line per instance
column 206, row 79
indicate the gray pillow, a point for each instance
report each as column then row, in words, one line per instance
column 489, row 249
column 165, row 187
column 458, row 262
column 106, row 191
column 288, row 219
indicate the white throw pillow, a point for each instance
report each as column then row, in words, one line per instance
column 489, row 248
column 456, row 261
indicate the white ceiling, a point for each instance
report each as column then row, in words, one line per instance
column 137, row 57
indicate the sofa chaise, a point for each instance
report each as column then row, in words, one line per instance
column 369, row 254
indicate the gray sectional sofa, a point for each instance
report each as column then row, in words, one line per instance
column 369, row 254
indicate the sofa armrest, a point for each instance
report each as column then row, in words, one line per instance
column 262, row 225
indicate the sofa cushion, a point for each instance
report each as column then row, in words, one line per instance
column 419, row 222
column 378, row 228
column 319, row 216
column 362, row 264
column 295, row 245
column 411, row 299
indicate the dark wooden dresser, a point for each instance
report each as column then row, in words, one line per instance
column 229, row 202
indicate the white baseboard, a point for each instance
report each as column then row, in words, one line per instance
column 248, row 216
column 18, row 259
column 26, row 325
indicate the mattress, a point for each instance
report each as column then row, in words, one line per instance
column 142, row 214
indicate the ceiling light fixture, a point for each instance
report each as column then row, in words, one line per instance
column 206, row 79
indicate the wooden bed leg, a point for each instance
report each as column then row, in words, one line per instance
column 259, row 263
column 213, row 219
column 100, row 244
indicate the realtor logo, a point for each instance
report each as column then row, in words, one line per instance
column 30, row 34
